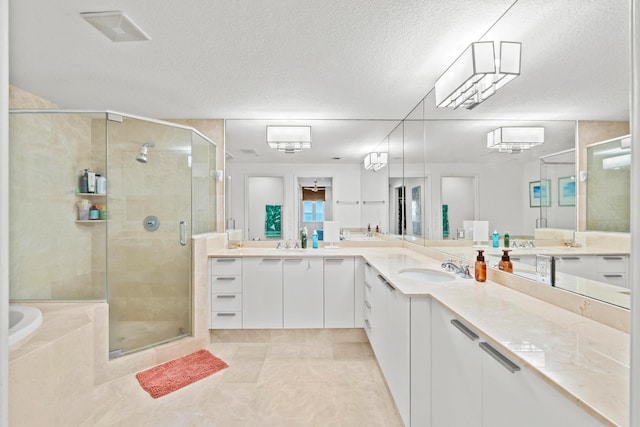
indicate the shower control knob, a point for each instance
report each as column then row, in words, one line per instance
column 151, row 223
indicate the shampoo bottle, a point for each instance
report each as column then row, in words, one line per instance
column 480, row 267
column 506, row 239
column 303, row 238
column 315, row 239
column 496, row 239
column 505, row 263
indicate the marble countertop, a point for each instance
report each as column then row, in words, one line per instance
column 585, row 360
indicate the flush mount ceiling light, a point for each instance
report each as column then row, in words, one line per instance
column 376, row 161
column 477, row 74
column 289, row 139
column 116, row 25
column 514, row 139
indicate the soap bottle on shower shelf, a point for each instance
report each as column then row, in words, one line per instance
column 496, row 239
column 480, row 270
column 505, row 263
column 314, row 237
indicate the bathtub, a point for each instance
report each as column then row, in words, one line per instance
column 23, row 320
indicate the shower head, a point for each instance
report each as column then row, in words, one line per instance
column 142, row 156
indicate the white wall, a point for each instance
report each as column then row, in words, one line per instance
column 503, row 198
column 346, row 187
column 262, row 191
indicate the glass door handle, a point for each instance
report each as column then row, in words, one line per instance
column 183, row 233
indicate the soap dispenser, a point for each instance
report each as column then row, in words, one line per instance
column 496, row 239
column 480, row 267
column 505, row 263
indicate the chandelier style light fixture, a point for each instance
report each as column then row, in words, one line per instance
column 289, row 139
column 477, row 74
column 376, row 161
column 515, row 139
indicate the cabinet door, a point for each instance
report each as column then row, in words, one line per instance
column 522, row 399
column 303, row 293
column 358, row 303
column 339, row 292
column 397, row 332
column 456, row 372
column 420, row 362
column 262, row 293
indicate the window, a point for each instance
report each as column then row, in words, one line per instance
column 313, row 211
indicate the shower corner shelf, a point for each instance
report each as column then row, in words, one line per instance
column 90, row 195
column 90, row 221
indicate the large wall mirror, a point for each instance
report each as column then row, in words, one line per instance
column 569, row 88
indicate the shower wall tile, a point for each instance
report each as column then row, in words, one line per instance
column 48, row 247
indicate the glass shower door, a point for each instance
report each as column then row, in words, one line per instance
column 148, row 233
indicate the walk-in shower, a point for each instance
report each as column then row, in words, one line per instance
column 144, row 272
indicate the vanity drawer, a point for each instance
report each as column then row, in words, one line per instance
column 225, row 266
column 613, row 278
column 226, row 302
column 226, row 320
column 611, row 263
column 226, row 284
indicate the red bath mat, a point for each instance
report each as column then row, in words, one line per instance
column 178, row 373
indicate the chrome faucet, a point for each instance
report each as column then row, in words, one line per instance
column 462, row 270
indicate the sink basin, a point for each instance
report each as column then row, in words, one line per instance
column 426, row 275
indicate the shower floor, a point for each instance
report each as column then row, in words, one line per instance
column 129, row 336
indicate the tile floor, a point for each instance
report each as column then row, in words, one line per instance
column 276, row 378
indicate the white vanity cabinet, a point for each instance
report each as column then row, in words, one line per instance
column 392, row 341
column 456, row 371
column 339, row 292
column 611, row 269
column 303, row 292
column 225, row 293
column 367, row 300
column 523, row 399
column 262, row 293
column 474, row 384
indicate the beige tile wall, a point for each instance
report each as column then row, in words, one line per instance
column 590, row 132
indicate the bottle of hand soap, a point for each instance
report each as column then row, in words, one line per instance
column 480, row 267
column 303, row 238
column 315, row 239
column 496, row 239
column 506, row 239
column 505, row 263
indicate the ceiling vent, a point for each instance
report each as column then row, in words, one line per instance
column 116, row 26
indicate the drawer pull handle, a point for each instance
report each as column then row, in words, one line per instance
column 367, row 285
column 389, row 285
column 367, row 264
column 271, row 259
column 367, row 304
column 501, row 358
column 613, row 276
column 226, row 314
column 226, row 296
column 334, row 259
column 570, row 258
column 293, row 260
column 366, row 322
column 225, row 278
column 464, row 329
column 612, row 258
column 225, row 260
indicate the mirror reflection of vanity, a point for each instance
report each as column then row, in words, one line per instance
column 537, row 195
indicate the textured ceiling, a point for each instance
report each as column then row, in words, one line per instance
column 321, row 59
